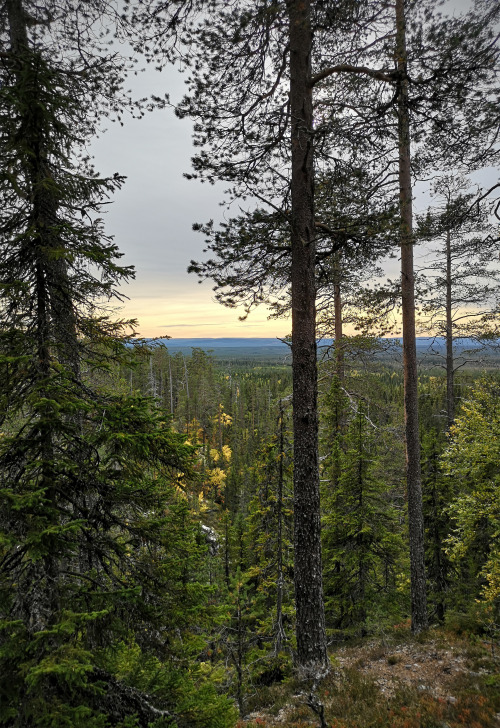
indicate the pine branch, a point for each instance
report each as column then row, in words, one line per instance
column 379, row 74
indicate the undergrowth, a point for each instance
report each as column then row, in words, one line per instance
column 353, row 699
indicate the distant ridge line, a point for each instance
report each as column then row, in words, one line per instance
column 221, row 342
column 259, row 342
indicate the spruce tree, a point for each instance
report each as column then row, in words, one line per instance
column 361, row 539
column 470, row 460
column 98, row 552
column 438, row 491
column 270, row 539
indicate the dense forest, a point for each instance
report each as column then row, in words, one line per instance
column 195, row 541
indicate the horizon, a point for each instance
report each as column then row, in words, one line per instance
column 279, row 341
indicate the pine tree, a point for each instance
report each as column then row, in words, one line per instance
column 258, row 91
column 444, row 98
column 460, row 282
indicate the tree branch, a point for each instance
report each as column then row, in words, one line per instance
column 380, row 75
column 125, row 699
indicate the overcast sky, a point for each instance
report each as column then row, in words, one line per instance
column 151, row 220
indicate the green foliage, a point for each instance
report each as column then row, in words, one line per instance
column 471, row 459
column 269, row 534
column 194, row 697
column 437, row 493
column 97, row 543
column 361, row 538
column 112, row 613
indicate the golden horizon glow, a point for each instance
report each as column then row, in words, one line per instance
column 185, row 312
column 181, row 310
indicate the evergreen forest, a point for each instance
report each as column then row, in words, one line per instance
column 307, row 538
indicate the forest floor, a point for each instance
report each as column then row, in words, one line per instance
column 437, row 680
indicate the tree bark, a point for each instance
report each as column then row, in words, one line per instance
column 311, row 637
column 413, row 472
column 18, row 35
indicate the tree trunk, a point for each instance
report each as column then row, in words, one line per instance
column 363, row 571
column 413, row 474
column 226, row 548
column 311, row 638
column 438, row 556
column 450, row 372
column 187, row 394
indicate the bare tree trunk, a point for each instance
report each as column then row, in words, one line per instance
column 311, row 637
column 413, row 473
column 226, row 548
column 187, row 393
column 450, row 372
column 152, row 380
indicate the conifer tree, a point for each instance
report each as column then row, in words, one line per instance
column 97, row 550
column 269, row 46
column 270, row 538
column 471, row 459
column 437, row 491
column 443, row 97
column 362, row 542
column 451, row 93
column 460, row 282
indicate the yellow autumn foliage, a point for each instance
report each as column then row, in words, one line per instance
column 216, row 477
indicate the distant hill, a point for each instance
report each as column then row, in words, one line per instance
column 274, row 350
column 252, row 350
column 220, row 343
column 423, row 342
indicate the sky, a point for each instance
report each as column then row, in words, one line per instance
column 151, row 220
